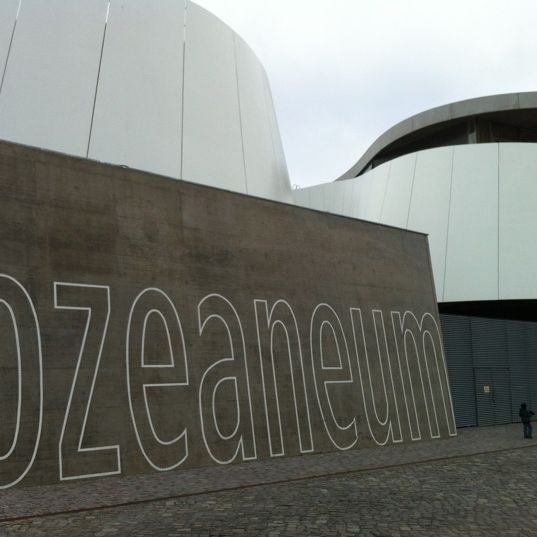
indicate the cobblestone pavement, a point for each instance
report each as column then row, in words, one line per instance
column 491, row 494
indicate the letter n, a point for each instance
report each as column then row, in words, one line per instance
column 280, row 354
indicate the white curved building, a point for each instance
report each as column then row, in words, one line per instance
column 163, row 87
column 476, row 200
column 466, row 174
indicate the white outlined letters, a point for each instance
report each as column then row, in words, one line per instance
column 233, row 369
column 380, row 427
column 428, row 375
column 207, row 414
column 324, row 322
column 17, row 304
column 282, row 316
column 154, row 305
column 76, row 461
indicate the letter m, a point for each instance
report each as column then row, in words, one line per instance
column 423, row 375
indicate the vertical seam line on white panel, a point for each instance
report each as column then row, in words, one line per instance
column 448, row 222
column 385, row 191
column 352, row 192
column 274, row 128
column 498, row 225
column 269, row 122
column 354, row 195
column 9, row 47
column 276, row 124
column 236, row 57
column 344, row 198
column 183, row 93
column 411, row 189
column 98, row 78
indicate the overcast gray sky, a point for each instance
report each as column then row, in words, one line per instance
column 344, row 71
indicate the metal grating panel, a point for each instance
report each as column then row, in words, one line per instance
column 484, row 395
column 517, row 344
column 491, row 360
column 492, row 365
column 531, row 338
column 458, row 348
column 501, row 393
column 489, row 342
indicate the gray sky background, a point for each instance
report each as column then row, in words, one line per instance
column 344, row 71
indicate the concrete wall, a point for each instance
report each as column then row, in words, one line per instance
column 149, row 325
column 162, row 86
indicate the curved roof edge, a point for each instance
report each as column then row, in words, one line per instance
column 441, row 114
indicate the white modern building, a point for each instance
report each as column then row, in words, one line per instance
column 168, row 88
column 466, row 174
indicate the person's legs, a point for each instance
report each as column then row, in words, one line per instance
column 527, row 430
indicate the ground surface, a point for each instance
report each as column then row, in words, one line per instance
column 470, row 489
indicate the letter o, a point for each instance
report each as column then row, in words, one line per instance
column 16, row 300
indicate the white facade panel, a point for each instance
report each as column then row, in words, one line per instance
column 518, row 221
column 8, row 15
column 472, row 248
column 212, row 139
column 348, row 188
column 355, row 200
column 281, row 173
column 317, row 197
column 138, row 112
column 50, row 81
column 371, row 188
column 163, row 86
column 266, row 170
column 334, row 197
column 329, row 198
column 339, row 197
column 398, row 192
column 364, row 184
column 256, row 129
column 429, row 206
column 302, row 196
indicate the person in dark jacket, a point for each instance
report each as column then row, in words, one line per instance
column 525, row 416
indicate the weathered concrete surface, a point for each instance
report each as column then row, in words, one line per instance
column 177, row 325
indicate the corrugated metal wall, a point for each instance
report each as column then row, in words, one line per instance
column 458, row 348
column 492, row 365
